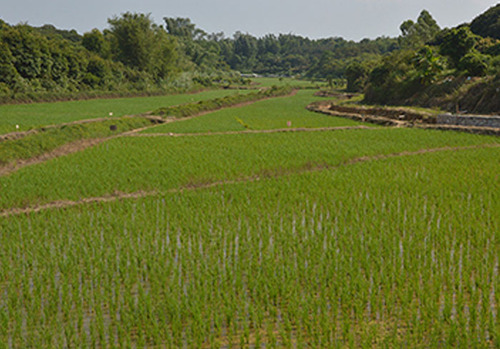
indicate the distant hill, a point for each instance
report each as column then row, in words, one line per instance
column 488, row 23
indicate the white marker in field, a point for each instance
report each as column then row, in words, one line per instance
column 289, row 123
column 110, row 113
column 17, row 127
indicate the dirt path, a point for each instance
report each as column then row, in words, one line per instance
column 277, row 130
column 248, row 179
column 66, row 149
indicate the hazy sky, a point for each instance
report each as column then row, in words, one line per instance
column 351, row 19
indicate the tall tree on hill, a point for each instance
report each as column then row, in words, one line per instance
column 141, row 44
column 245, row 51
column 415, row 34
column 199, row 47
column 183, row 28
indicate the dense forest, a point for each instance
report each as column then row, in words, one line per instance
column 135, row 55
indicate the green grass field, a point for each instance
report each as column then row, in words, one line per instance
column 268, row 82
column 267, row 114
column 378, row 237
column 40, row 114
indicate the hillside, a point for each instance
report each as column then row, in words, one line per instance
column 453, row 68
column 488, row 23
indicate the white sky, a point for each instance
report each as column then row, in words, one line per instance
column 350, row 19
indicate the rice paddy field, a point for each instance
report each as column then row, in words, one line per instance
column 257, row 226
column 29, row 116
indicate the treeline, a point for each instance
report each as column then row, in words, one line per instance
column 457, row 68
column 135, row 55
column 283, row 55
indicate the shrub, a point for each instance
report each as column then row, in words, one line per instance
column 474, row 64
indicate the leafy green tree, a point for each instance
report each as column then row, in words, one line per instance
column 456, row 43
column 94, row 41
column 428, row 65
column 356, row 74
column 51, row 32
column 164, row 55
column 27, row 49
column 415, row 34
column 183, row 28
column 245, row 51
column 140, row 44
column 134, row 39
column 8, row 72
column 474, row 63
column 392, row 80
column 195, row 44
column 488, row 23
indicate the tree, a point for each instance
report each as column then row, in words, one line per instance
column 488, row 23
column 134, row 40
column 356, row 74
column 474, row 63
column 415, row 34
column 183, row 28
column 428, row 65
column 8, row 72
column 456, row 43
column 141, row 44
column 245, row 51
column 94, row 41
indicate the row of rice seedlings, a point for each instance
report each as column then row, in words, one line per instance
column 273, row 264
column 133, row 164
column 267, row 114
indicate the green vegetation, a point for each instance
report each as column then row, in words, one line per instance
column 347, row 237
column 46, row 140
column 162, row 163
column 425, row 65
column 222, row 102
column 285, row 81
column 378, row 237
column 338, row 257
column 263, row 115
column 42, row 114
column 450, row 68
column 487, row 24
column 133, row 56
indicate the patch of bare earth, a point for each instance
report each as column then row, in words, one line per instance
column 273, row 173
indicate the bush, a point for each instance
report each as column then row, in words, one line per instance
column 474, row 64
